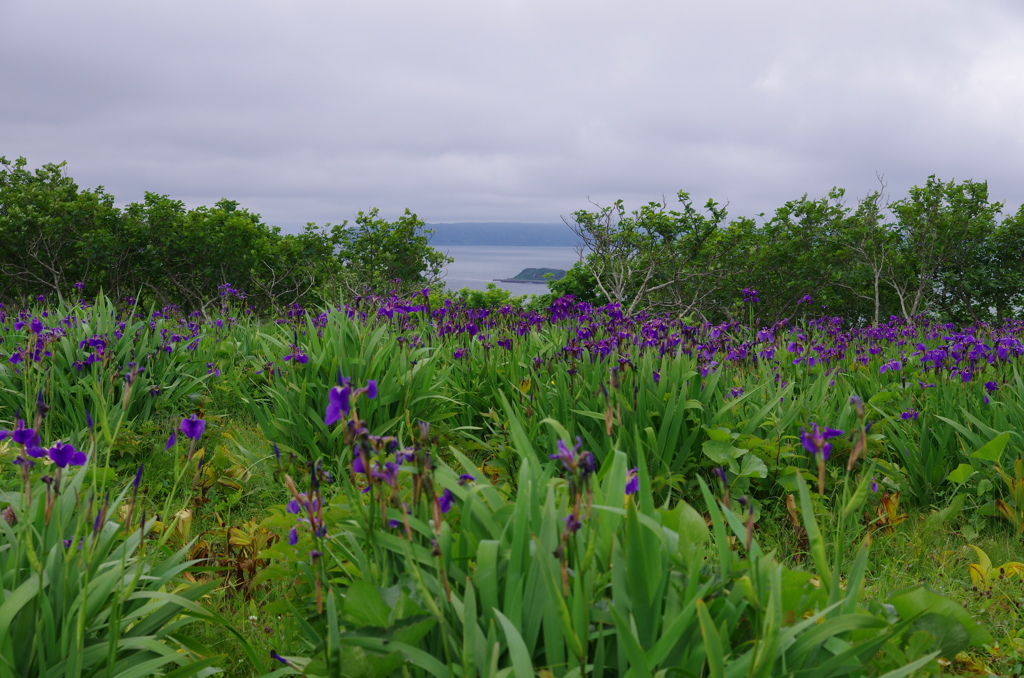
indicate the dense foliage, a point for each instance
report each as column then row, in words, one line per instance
column 58, row 239
column 488, row 490
column 941, row 251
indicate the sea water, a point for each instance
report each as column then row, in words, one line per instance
column 477, row 265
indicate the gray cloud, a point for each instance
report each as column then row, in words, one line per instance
column 505, row 111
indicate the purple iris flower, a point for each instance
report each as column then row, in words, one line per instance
column 815, row 442
column 337, row 403
column 193, row 427
column 446, row 500
column 371, row 389
column 357, row 462
column 909, row 415
column 293, row 536
column 64, row 455
column 387, row 473
column 858, row 404
column 572, row 523
column 991, row 386
column 632, row 481
column 20, row 434
column 572, row 459
column 567, row 456
column 657, row 377
column 894, row 365
column 171, row 441
column 720, row 472
column 37, row 452
column 466, row 478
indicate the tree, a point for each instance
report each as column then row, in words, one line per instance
column 382, row 255
column 870, row 243
column 55, row 235
column 578, row 281
column 793, row 255
column 706, row 287
column 633, row 256
column 52, row 234
column 941, row 233
column 1000, row 269
column 301, row 268
column 186, row 255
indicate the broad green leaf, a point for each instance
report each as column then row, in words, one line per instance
column 723, row 453
column 960, row 474
column 722, row 435
column 364, row 605
column 881, row 397
column 486, row 576
column 689, row 525
column 753, row 467
column 993, row 449
column 911, row 667
column 950, row 635
column 415, row 655
column 921, row 599
column 521, row 663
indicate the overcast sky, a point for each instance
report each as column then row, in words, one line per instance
column 504, row 110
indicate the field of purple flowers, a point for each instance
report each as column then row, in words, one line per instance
column 407, row 484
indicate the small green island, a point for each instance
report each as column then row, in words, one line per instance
column 535, row 275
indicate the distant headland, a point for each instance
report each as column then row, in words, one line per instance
column 535, row 275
